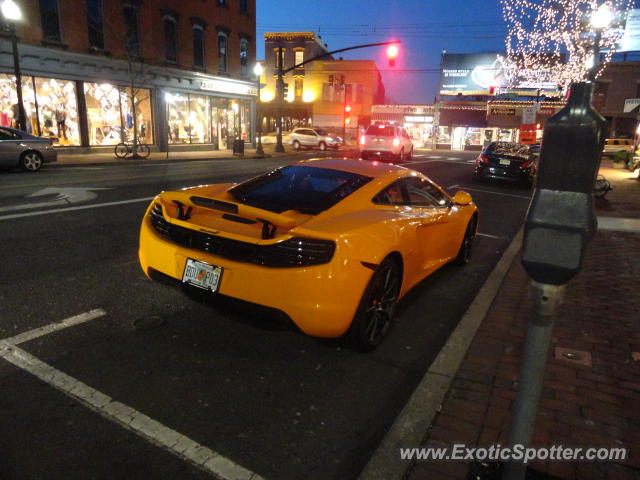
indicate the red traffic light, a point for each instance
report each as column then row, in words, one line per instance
column 392, row 53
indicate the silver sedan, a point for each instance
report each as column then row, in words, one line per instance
column 18, row 148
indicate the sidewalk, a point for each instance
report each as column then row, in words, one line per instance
column 590, row 401
column 109, row 157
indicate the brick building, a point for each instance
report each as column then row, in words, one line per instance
column 180, row 71
column 617, row 86
column 319, row 91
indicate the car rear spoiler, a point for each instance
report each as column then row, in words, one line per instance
column 185, row 202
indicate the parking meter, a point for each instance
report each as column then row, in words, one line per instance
column 561, row 216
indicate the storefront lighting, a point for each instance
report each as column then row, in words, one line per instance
column 257, row 70
column 11, row 11
column 266, row 95
column 168, row 98
column 308, row 96
column 234, row 107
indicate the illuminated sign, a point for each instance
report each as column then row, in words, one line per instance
column 631, row 37
column 417, row 119
column 225, row 86
column 502, row 111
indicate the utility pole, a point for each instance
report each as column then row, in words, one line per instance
column 279, row 100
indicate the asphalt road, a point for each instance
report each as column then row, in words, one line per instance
column 230, row 376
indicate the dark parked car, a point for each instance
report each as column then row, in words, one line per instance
column 20, row 149
column 507, row 160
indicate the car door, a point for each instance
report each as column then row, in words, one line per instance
column 433, row 214
column 10, row 148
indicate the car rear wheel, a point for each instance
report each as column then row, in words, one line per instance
column 464, row 254
column 31, row 161
column 401, row 156
column 409, row 155
column 375, row 315
column 322, row 146
column 296, row 145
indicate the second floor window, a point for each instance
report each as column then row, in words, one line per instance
column 50, row 19
column 132, row 42
column 198, row 47
column 222, row 53
column 244, row 56
column 170, row 39
column 299, row 57
column 94, row 20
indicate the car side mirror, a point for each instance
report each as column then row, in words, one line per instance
column 462, row 198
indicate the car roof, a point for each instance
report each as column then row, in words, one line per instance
column 361, row 167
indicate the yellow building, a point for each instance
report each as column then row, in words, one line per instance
column 319, row 91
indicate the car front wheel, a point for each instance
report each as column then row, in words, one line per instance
column 31, row 161
column 375, row 315
column 322, row 146
column 296, row 145
column 464, row 254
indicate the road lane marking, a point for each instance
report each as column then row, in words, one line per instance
column 495, row 193
column 55, row 327
column 70, row 209
column 619, row 224
column 129, row 418
column 490, row 236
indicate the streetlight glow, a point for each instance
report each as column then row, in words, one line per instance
column 11, row 10
column 257, row 70
column 601, row 17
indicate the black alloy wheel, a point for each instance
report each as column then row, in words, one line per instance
column 464, row 254
column 375, row 315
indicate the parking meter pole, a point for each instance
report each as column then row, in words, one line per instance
column 559, row 224
column 536, row 347
column 279, row 99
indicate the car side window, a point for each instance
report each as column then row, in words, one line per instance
column 8, row 135
column 423, row 193
column 390, row 195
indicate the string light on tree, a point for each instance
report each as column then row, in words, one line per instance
column 555, row 40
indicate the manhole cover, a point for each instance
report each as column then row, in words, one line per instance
column 148, row 322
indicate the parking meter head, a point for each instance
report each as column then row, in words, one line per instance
column 561, row 219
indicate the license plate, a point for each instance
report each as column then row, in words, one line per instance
column 202, row 275
column 505, row 162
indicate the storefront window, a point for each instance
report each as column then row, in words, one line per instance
column 103, row 113
column 58, row 110
column 199, row 119
column 143, row 123
column 220, row 130
column 245, row 121
column 178, row 118
column 473, row 137
column 444, row 135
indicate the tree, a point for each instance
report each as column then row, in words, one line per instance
column 553, row 40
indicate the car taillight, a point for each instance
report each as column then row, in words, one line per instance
column 363, row 140
column 396, row 142
column 526, row 164
column 296, row 252
column 482, row 159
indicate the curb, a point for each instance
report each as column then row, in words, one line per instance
column 411, row 425
column 74, row 163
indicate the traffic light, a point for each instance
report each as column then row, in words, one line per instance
column 285, row 89
column 332, row 79
column 392, row 53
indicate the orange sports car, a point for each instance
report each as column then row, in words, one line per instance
column 332, row 243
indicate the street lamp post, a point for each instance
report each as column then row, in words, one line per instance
column 11, row 13
column 601, row 18
column 257, row 70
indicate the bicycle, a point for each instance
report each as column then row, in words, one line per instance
column 123, row 150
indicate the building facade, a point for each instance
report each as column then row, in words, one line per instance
column 617, row 97
column 179, row 73
column 320, row 92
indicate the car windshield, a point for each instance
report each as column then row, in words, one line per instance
column 322, row 132
column 380, row 130
column 306, row 189
column 512, row 149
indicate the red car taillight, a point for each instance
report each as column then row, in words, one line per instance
column 363, row 140
column 396, row 142
column 482, row 159
column 526, row 164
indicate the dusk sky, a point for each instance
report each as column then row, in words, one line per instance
column 424, row 27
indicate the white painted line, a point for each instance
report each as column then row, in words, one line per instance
column 70, row 209
column 489, row 236
column 619, row 224
column 495, row 193
column 127, row 417
column 54, row 327
column 119, row 413
column 411, row 425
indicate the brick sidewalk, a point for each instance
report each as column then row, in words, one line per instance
column 590, row 402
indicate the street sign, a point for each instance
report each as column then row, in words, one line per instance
column 528, row 133
column 529, row 115
column 631, row 105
